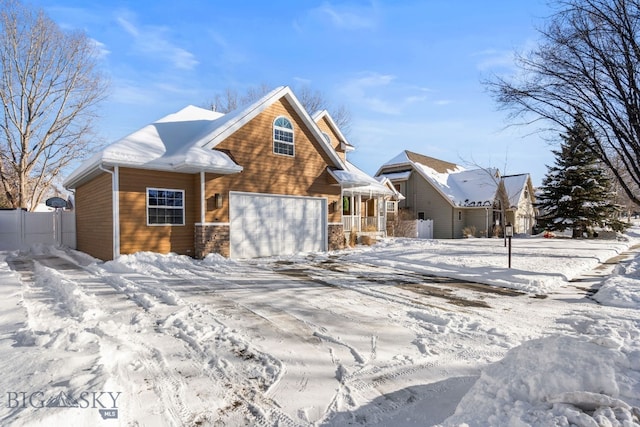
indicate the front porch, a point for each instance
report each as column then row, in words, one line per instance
column 364, row 215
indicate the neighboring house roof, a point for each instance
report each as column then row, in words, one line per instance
column 463, row 188
column 396, row 176
column 185, row 141
column 515, row 186
column 411, row 158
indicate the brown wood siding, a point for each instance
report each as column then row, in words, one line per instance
column 94, row 217
column 304, row 174
column 135, row 234
column 324, row 126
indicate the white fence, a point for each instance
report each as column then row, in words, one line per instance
column 425, row 229
column 414, row 228
column 20, row 229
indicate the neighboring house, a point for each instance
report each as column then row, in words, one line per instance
column 459, row 200
column 264, row 180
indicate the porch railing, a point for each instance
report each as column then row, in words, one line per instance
column 358, row 223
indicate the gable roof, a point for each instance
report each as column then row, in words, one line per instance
column 461, row 187
column 185, row 141
column 162, row 145
column 410, row 158
column 324, row 114
column 231, row 122
column 515, row 186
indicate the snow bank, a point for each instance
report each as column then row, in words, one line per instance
column 558, row 380
column 622, row 290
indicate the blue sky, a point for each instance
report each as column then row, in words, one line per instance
column 409, row 72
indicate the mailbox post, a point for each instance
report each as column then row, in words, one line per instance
column 508, row 232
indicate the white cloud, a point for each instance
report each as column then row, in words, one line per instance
column 101, row 48
column 154, row 42
column 349, row 17
column 491, row 59
column 382, row 93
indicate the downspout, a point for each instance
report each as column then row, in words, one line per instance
column 115, row 179
column 202, row 198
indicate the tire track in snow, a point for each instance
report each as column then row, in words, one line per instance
column 224, row 354
column 121, row 354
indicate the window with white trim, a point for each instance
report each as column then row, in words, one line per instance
column 391, row 206
column 165, row 206
column 283, row 136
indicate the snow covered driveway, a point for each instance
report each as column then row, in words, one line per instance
column 367, row 336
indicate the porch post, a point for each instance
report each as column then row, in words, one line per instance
column 359, row 208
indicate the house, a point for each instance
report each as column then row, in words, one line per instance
column 264, row 180
column 459, row 200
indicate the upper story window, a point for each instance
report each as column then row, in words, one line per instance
column 326, row 137
column 283, row 136
column 165, row 207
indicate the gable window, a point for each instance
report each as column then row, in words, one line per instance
column 326, row 137
column 283, row 136
column 165, row 207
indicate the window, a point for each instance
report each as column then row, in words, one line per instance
column 326, row 137
column 391, row 206
column 165, row 207
column 420, row 215
column 283, row 136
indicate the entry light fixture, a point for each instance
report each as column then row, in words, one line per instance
column 217, row 200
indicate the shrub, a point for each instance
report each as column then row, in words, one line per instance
column 469, row 231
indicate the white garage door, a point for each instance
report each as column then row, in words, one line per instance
column 268, row 225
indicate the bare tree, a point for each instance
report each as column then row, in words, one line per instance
column 223, row 103
column 49, row 87
column 587, row 63
column 311, row 100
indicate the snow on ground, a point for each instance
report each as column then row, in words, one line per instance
column 404, row 333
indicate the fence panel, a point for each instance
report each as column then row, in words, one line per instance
column 10, row 229
column 39, row 227
column 20, row 229
column 425, row 229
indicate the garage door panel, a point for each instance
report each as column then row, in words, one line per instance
column 268, row 225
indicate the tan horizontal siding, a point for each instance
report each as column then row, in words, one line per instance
column 135, row 234
column 304, row 174
column 94, row 217
column 325, row 127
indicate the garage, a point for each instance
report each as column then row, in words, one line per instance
column 268, row 225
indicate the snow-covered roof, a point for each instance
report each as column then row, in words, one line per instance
column 165, row 144
column 464, row 188
column 185, row 141
column 397, row 176
column 515, row 186
column 356, row 181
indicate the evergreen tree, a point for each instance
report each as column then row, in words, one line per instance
column 576, row 192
